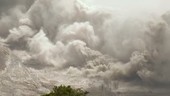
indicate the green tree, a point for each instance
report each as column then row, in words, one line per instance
column 66, row 91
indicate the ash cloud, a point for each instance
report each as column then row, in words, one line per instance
column 10, row 12
column 55, row 42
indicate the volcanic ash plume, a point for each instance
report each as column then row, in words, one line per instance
column 53, row 42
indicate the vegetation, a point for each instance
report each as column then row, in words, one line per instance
column 66, row 91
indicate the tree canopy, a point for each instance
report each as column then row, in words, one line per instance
column 66, row 91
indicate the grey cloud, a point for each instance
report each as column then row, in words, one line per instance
column 66, row 42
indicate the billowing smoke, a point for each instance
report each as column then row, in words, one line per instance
column 51, row 42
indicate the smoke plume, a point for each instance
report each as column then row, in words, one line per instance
column 110, row 52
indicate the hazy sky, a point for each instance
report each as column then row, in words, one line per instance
column 131, row 4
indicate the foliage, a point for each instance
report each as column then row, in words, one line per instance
column 66, row 91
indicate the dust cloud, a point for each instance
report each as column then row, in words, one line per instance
column 105, row 51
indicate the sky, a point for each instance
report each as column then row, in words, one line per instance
column 131, row 4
